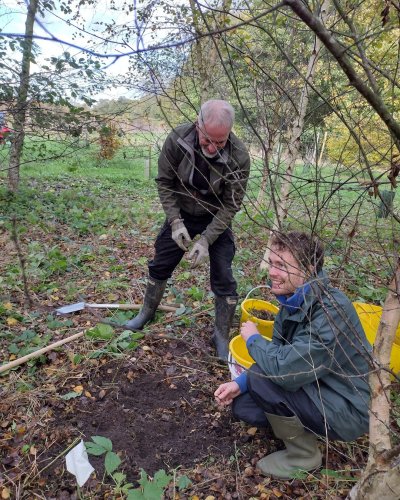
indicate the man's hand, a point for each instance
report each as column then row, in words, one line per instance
column 180, row 234
column 199, row 252
column 226, row 393
column 248, row 329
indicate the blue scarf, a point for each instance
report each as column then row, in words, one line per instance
column 294, row 302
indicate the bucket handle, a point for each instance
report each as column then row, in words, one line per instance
column 255, row 288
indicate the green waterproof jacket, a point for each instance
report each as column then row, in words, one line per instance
column 228, row 179
column 321, row 348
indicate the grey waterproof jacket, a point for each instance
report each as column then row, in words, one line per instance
column 321, row 348
column 228, row 179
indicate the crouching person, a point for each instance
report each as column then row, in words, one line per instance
column 311, row 379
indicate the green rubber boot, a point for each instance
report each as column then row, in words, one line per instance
column 224, row 312
column 154, row 292
column 301, row 453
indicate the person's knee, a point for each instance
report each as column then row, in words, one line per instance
column 246, row 410
column 268, row 395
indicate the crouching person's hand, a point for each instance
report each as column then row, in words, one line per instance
column 226, row 393
column 248, row 329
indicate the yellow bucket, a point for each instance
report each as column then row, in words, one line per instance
column 370, row 316
column 264, row 327
column 237, row 345
column 238, row 349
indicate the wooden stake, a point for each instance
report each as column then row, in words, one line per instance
column 35, row 354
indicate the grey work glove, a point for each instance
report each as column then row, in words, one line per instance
column 199, row 252
column 180, row 234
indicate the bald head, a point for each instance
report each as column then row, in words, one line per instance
column 214, row 125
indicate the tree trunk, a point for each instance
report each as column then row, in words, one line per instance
column 264, row 180
column 294, row 140
column 381, row 478
column 19, row 111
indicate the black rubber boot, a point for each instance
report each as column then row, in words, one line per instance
column 224, row 311
column 154, row 292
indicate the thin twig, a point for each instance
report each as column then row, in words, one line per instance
column 22, row 261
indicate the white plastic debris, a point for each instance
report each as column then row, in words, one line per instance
column 78, row 463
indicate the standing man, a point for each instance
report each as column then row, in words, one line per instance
column 311, row 379
column 203, row 170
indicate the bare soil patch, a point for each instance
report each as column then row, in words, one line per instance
column 155, row 420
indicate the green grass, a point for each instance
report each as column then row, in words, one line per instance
column 51, row 158
column 85, row 198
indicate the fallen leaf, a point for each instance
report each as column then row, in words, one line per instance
column 249, row 471
column 52, row 356
column 12, row 357
column 78, row 389
column 32, row 450
column 87, row 394
column 8, row 306
column 276, row 492
column 70, row 395
column 210, row 497
column 170, row 370
column 252, row 431
column 12, row 321
column 102, row 393
column 146, row 348
column 5, row 493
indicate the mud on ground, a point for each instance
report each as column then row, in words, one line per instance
column 157, row 407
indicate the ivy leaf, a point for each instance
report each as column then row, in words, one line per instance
column 119, row 477
column 143, row 478
column 135, row 495
column 180, row 311
column 104, row 442
column 101, row 332
column 183, row 483
column 152, row 491
column 94, row 449
column 71, row 395
column 111, row 462
column 162, row 479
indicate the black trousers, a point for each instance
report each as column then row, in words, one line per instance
column 264, row 396
column 168, row 255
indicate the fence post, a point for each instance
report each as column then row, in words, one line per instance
column 386, row 204
column 149, row 160
column 146, row 169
